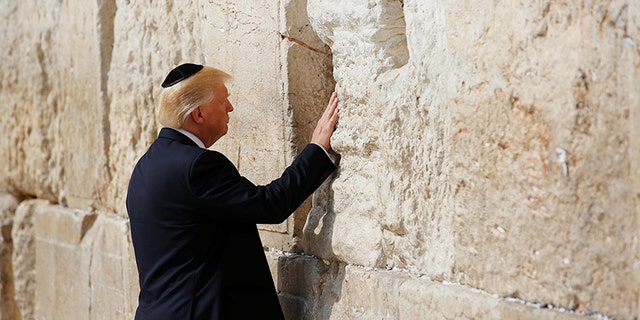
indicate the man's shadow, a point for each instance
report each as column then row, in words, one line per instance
column 310, row 285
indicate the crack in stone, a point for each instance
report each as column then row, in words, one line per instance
column 302, row 43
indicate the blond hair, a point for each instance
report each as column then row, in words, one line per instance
column 179, row 100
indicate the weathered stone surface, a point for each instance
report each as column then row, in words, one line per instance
column 633, row 81
column 496, row 153
column 338, row 291
column 24, row 260
column 63, row 261
column 87, row 256
column 488, row 144
column 58, row 80
column 25, row 89
column 313, row 294
column 367, row 39
column 113, row 273
column 544, row 191
column 8, row 306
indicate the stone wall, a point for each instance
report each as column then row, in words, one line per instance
column 489, row 162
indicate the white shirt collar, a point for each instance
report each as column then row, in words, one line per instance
column 192, row 137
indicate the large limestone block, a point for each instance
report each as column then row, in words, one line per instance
column 492, row 150
column 63, row 262
column 308, row 82
column 27, row 99
column 371, row 294
column 23, row 259
column 369, row 46
column 83, row 265
column 338, row 291
column 542, row 189
column 307, row 287
column 114, row 277
column 83, row 106
column 259, row 138
column 53, row 93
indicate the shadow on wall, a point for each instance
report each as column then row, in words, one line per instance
column 311, row 288
column 308, row 286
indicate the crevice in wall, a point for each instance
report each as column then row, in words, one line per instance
column 105, row 29
column 8, row 305
column 533, row 304
column 306, row 84
column 536, row 304
column 391, row 37
column 303, row 44
column 335, row 272
column 87, row 223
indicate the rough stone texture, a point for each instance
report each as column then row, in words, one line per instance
column 496, row 153
column 634, row 97
column 8, row 306
column 545, row 186
column 489, row 144
column 26, row 145
column 24, row 259
column 58, row 80
column 113, row 274
column 62, row 262
column 352, row 292
column 87, row 256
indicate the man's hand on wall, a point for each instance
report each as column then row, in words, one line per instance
column 327, row 123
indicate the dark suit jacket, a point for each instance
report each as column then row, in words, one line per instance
column 193, row 226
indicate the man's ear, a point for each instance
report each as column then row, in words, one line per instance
column 196, row 115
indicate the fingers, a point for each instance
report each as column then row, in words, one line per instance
column 333, row 101
column 326, row 124
column 332, row 107
column 331, row 113
column 334, row 115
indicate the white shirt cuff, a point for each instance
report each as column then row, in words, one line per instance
column 326, row 152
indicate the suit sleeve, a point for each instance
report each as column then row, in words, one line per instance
column 223, row 194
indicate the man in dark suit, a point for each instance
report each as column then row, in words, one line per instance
column 193, row 216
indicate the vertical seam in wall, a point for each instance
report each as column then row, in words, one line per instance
column 282, row 85
column 106, row 11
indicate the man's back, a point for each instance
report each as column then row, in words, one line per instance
column 193, row 225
